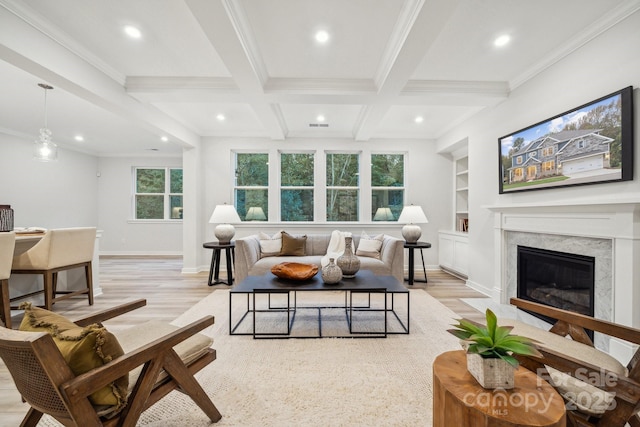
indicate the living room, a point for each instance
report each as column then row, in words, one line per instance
column 87, row 188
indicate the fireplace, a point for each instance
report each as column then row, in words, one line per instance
column 558, row 279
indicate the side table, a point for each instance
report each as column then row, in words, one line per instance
column 458, row 399
column 412, row 247
column 230, row 255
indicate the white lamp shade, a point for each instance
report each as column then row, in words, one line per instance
column 224, row 214
column 412, row 215
column 383, row 214
column 255, row 214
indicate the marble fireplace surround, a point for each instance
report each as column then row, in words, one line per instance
column 610, row 232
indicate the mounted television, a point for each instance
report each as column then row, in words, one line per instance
column 590, row 144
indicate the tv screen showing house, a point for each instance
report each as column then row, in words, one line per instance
column 590, row 144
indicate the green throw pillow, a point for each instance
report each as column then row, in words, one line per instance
column 83, row 349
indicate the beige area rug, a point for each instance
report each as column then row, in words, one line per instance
column 315, row 382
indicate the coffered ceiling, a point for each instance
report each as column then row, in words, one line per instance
column 257, row 64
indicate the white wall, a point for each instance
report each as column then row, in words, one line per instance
column 602, row 66
column 429, row 183
column 122, row 236
column 48, row 194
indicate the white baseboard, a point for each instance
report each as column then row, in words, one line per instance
column 145, row 253
column 490, row 292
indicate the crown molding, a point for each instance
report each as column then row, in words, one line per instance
column 168, row 84
column 608, row 20
column 319, row 86
column 240, row 24
column 421, row 87
column 41, row 24
column 407, row 18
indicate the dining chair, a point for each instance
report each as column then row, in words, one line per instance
column 7, row 245
column 59, row 250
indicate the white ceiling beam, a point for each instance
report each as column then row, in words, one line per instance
column 47, row 59
column 225, row 25
column 418, row 26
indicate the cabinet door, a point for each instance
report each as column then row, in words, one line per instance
column 460, row 258
column 446, row 250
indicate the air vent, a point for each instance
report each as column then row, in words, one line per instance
column 318, row 125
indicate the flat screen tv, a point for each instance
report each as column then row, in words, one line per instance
column 590, row 144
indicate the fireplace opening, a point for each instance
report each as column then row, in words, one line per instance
column 557, row 279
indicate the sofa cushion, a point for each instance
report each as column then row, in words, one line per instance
column 83, row 348
column 270, row 245
column 293, row 246
column 370, row 246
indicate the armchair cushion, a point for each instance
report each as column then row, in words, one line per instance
column 83, row 348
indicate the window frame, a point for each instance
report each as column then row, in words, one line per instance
column 167, row 194
column 372, row 187
column 357, row 188
column 234, row 160
column 314, row 188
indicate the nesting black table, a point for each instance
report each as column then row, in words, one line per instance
column 412, row 247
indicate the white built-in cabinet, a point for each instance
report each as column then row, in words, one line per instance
column 453, row 244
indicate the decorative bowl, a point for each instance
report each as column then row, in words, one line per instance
column 294, row 270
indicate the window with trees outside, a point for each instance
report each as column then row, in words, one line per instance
column 296, row 186
column 387, row 186
column 158, row 193
column 251, row 189
column 342, row 181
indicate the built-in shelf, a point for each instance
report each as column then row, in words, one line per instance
column 461, row 207
column 463, row 189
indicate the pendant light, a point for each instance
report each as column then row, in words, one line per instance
column 44, row 149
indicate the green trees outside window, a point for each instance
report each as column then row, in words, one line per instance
column 343, row 180
column 387, row 183
column 158, row 193
column 252, row 186
column 296, row 186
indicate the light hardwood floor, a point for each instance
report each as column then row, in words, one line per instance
column 170, row 293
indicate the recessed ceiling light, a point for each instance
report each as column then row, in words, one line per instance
column 221, row 117
column 132, row 32
column 164, row 139
column 79, row 138
column 419, row 119
column 502, row 40
column 320, row 118
column 322, row 36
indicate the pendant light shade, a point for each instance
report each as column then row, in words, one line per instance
column 44, row 149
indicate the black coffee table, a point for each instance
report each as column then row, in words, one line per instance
column 379, row 293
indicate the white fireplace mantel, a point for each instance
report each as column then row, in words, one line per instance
column 617, row 221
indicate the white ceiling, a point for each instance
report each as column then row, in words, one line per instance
column 257, row 63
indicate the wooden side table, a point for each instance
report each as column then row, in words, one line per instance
column 458, row 399
column 412, row 247
column 230, row 255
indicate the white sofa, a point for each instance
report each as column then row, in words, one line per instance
column 250, row 262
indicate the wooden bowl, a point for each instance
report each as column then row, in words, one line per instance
column 294, row 270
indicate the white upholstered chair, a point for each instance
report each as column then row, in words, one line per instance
column 7, row 245
column 60, row 249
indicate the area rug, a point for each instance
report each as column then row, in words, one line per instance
column 315, row 382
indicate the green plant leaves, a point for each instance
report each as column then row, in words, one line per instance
column 493, row 340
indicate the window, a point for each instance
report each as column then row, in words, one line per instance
column 387, row 185
column 158, row 193
column 532, row 154
column 547, row 151
column 548, row 166
column 519, row 160
column 342, row 180
column 581, row 143
column 251, row 189
column 296, row 186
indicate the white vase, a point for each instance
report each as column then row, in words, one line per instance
column 490, row 372
column 348, row 262
column 331, row 273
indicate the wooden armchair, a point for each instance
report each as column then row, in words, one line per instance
column 47, row 383
column 586, row 377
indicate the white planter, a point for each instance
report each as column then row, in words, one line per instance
column 490, row 372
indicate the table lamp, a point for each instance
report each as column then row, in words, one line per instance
column 255, row 213
column 224, row 215
column 411, row 216
column 383, row 214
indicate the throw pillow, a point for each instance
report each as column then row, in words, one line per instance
column 83, row 349
column 370, row 246
column 270, row 245
column 294, row 246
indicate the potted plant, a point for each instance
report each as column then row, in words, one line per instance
column 490, row 350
